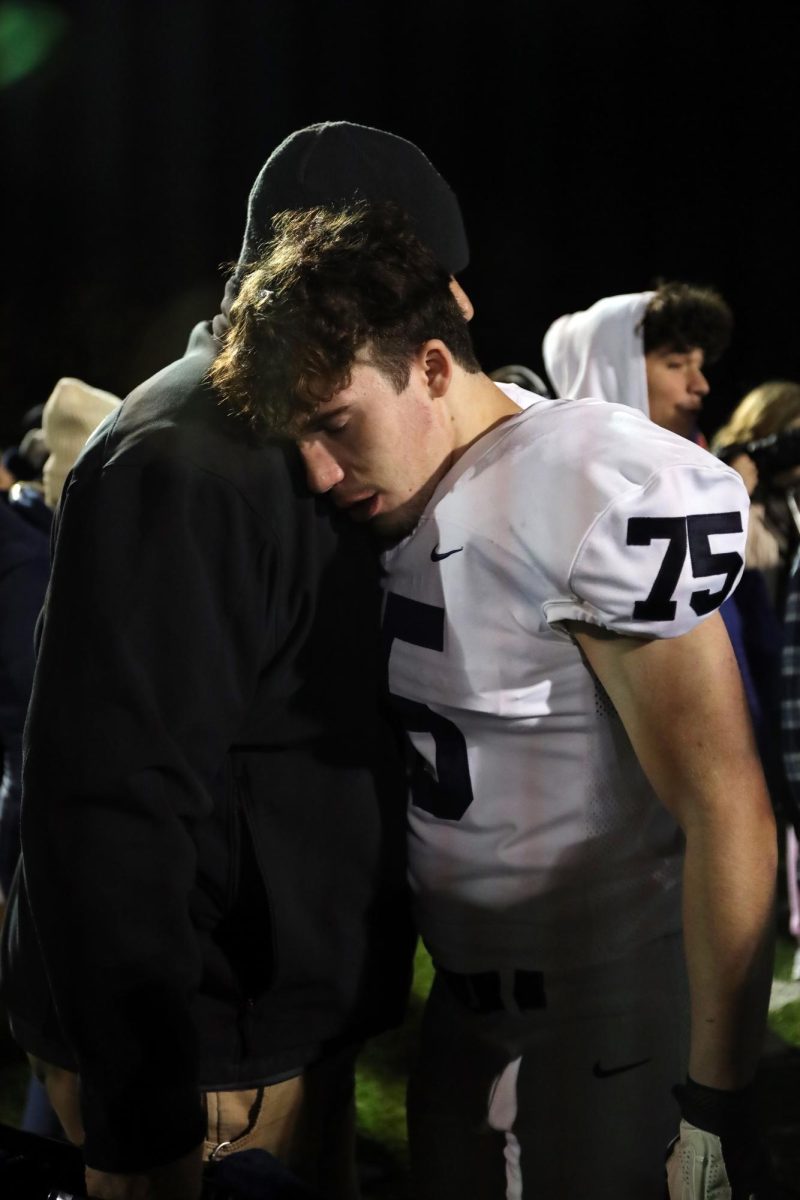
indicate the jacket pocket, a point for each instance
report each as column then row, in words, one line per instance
column 245, row 931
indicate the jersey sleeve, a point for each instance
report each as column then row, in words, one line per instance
column 659, row 557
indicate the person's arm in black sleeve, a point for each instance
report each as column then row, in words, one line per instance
column 154, row 633
column 24, row 570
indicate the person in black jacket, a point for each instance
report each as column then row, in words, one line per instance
column 24, row 568
column 212, row 911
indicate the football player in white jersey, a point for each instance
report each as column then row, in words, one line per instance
column 583, row 768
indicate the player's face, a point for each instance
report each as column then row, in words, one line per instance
column 676, row 386
column 378, row 452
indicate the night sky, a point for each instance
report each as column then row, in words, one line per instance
column 594, row 146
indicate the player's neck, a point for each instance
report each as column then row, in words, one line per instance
column 481, row 405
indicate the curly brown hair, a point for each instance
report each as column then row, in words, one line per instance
column 685, row 316
column 330, row 284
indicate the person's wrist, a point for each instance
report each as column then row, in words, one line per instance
column 723, row 1113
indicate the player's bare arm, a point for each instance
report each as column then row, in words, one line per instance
column 682, row 704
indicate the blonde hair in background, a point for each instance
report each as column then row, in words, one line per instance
column 769, row 408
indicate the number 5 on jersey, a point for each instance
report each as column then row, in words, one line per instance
column 448, row 794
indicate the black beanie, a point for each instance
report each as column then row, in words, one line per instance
column 336, row 162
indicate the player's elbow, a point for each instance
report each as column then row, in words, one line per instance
column 736, row 814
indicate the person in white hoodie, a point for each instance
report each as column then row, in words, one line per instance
column 648, row 350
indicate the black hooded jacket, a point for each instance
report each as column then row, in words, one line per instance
column 213, row 811
column 213, row 884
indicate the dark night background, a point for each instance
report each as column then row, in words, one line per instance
column 594, row 146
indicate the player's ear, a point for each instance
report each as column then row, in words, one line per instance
column 462, row 299
column 437, row 363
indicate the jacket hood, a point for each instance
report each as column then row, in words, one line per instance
column 336, row 162
column 599, row 353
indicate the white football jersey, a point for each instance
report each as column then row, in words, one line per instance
column 535, row 840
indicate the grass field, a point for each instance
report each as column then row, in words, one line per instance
column 380, row 1094
column 784, row 1019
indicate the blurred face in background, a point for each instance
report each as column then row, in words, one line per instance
column 676, row 387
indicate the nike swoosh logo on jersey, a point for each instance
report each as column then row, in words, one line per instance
column 605, row 1073
column 436, row 557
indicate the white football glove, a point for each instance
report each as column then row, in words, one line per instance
column 696, row 1168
